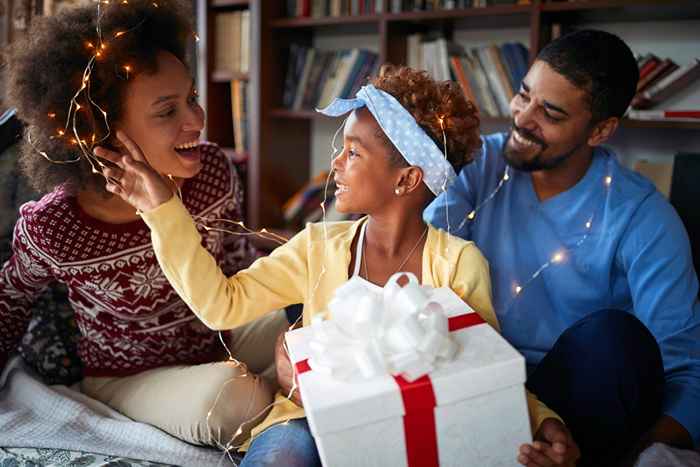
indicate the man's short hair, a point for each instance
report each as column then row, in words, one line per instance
column 599, row 63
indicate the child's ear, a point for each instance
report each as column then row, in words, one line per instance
column 411, row 178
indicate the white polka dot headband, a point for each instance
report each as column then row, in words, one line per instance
column 403, row 131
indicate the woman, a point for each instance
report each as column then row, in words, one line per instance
column 143, row 352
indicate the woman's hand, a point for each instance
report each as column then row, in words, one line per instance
column 285, row 372
column 553, row 446
column 133, row 179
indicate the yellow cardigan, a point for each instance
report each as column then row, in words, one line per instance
column 305, row 270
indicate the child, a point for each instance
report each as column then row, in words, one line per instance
column 391, row 166
column 143, row 351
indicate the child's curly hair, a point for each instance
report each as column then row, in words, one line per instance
column 429, row 101
column 46, row 70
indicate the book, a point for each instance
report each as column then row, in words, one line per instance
column 670, row 85
column 664, row 68
column 295, row 68
column 672, row 115
column 494, row 80
column 303, row 80
column 482, row 88
column 649, row 62
column 245, row 41
column 458, row 70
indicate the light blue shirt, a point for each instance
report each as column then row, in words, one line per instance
column 635, row 256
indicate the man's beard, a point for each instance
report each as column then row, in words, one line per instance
column 536, row 163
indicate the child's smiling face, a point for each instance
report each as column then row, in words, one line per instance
column 162, row 116
column 364, row 175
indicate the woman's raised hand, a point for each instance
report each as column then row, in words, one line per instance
column 134, row 180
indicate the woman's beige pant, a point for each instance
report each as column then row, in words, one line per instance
column 209, row 404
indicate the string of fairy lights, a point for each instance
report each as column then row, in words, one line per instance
column 559, row 256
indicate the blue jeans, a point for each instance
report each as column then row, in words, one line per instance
column 286, row 444
column 604, row 376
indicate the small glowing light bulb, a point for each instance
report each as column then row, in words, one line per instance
column 558, row 257
column 61, row 132
column 52, row 115
column 119, row 34
column 506, row 176
column 518, row 289
column 588, row 224
column 89, row 45
column 608, row 180
column 471, row 215
column 196, row 37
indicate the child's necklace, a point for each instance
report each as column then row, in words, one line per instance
column 403, row 263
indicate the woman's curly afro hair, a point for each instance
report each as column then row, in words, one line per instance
column 428, row 101
column 46, row 70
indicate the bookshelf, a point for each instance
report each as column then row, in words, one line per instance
column 281, row 139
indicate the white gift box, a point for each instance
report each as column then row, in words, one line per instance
column 471, row 411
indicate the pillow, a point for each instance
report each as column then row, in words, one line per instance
column 50, row 345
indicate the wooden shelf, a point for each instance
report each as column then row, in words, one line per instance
column 660, row 124
column 598, row 4
column 625, row 10
column 296, row 114
column 230, row 3
column 499, row 10
column 282, row 113
column 288, row 23
column 309, row 115
column 222, row 76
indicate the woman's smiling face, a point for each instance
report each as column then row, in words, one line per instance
column 162, row 116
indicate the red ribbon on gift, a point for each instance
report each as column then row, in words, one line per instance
column 419, row 405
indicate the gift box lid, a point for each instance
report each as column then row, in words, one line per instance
column 485, row 363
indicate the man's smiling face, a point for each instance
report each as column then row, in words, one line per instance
column 551, row 120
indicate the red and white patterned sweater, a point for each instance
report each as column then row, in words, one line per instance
column 129, row 317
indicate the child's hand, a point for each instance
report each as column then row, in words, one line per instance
column 553, row 446
column 134, row 181
column 285, row 372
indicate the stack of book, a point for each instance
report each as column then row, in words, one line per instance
column 232, row 43
column 315, row 77
column 323, row 8
column 398, row 6
column 489, row 76
column 659, row 81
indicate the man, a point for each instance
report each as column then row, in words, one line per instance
column 591, row 268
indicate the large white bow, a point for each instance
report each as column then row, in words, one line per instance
column 402, row 330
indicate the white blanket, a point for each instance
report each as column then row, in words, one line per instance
column 33, row 414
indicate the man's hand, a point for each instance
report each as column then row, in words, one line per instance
column 133, row 179
column 553, row 446
column 285, row 372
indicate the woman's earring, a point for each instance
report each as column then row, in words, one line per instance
column 397, row 191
